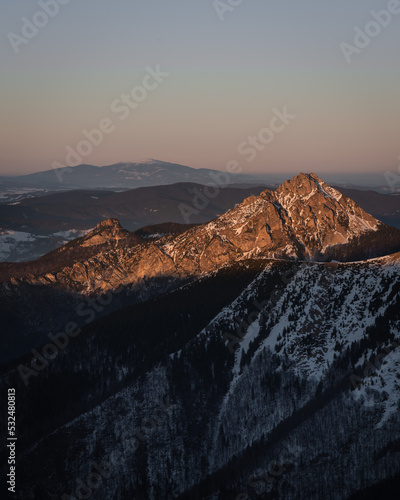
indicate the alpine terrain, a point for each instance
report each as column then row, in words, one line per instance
column 256, row 355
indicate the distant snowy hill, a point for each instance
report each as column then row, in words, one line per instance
column 121, row 176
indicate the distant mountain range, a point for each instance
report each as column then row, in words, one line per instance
column 134, row 208
column 121, row 176
column 150, row 172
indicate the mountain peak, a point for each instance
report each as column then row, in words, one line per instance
column 309, row 180
column 302, row 188
column 106, row 230
column 304, row 176
column 107, row 224
column 303, row 218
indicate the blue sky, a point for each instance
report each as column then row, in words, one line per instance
column 225, row 79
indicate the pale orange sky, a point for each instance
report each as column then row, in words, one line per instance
column 225, row 79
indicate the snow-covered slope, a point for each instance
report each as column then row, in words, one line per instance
column 19, row 246
column 283, row 366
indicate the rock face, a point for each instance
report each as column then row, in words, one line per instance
column 319, row 215
column 303, row 219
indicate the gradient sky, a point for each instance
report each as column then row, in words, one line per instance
column 226, row 77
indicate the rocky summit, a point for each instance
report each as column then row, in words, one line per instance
column 303, row 219
column 103, row 232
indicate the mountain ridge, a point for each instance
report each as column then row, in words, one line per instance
column 317, row 222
